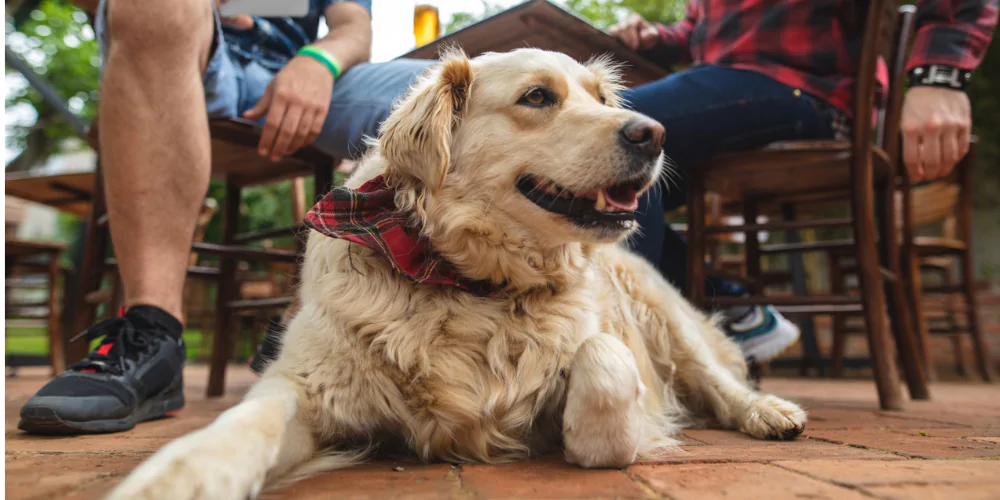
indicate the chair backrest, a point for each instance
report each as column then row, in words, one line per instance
column 931, row 204
column 934, row 202
column 887, row 32
column 887, row 127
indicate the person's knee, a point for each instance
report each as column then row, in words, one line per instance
column 178, row 25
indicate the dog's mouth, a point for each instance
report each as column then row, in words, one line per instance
column 607, row 207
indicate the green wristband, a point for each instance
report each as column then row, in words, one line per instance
column 322, row 56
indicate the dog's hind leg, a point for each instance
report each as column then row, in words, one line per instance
column 603, row 423
column 233, row 456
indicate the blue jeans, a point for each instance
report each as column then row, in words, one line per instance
column 708, row 110
column 362, row 97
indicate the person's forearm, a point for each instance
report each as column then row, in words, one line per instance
column 350, row 36
column 675, row 40
column 954, row 33
column 675, row 44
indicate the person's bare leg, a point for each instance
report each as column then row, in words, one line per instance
column 155, row 141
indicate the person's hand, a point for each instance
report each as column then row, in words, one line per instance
column 636, row 32
column 936, row 124
column 296, row 103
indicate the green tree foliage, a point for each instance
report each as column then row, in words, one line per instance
column 56, row 41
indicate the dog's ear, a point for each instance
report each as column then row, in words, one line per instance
column 416, row 138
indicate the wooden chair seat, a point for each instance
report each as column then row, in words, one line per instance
column 942, row 263
column 936, row 246
column 235, row 158
column 788, row 169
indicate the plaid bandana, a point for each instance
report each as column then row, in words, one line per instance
column 368, row 216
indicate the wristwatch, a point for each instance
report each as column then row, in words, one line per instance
column 937, row 75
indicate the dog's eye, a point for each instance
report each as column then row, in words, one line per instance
column 537, row 97
column 602, row 99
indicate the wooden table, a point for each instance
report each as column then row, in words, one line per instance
column 544, row 25
column 65, row 192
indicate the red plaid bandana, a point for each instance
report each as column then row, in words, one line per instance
column 368, row 216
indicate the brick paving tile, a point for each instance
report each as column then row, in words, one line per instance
column 47, row 476
column 973, row 491
column 839, row 418
column 896, row 472
column 383, row 479
column 549, row 477
column 94, row 490
column 984, row 439
column 709, row 481
column 732, row 446
column 935, row 443
column 20, row 442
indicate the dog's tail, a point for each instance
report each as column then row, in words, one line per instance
column 325, row 461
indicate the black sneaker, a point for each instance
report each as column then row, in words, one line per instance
column 268, row 348
column 136, row 374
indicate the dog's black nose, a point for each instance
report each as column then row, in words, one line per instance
column 642, row 135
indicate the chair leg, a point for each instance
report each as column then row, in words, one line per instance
column 956, row 347
column 898, row 300
column 223, row 341
column 91, row 271
column 914, row 287
column 980, row 351
column 952, row 316
column 696, row 239
column 751, row 246
column 870, row 280
column 57, row 355
column 839, row 336
column 910, row 275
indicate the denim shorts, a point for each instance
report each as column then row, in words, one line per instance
column 362, row 97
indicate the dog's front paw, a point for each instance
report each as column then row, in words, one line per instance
column 197, row 466
column 770, row 417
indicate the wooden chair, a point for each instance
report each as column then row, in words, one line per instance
column 22, row 260
column 865, row 166
column 933, row 253
column 940, row 207
column 234, row 160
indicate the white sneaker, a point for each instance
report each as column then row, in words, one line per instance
column 763, row 334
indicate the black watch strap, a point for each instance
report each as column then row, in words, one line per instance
column 937, row 75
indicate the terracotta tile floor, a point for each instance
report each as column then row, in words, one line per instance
column 945, row 448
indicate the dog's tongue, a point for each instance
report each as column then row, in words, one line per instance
column 624, row 200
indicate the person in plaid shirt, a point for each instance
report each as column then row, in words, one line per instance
column 767, row 70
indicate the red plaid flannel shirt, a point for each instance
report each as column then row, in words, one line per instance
column 368, row 216
column 815, row 45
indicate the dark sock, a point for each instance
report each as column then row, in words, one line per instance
column 154, row 317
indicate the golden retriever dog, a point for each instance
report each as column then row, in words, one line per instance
column 520, row 170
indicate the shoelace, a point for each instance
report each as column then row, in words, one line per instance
column 123, row 341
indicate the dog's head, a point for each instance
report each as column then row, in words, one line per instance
column 527, row 148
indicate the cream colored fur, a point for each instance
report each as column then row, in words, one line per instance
column 586, row 348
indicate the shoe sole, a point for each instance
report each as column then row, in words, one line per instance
column 45, row 420
column 767, row 347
